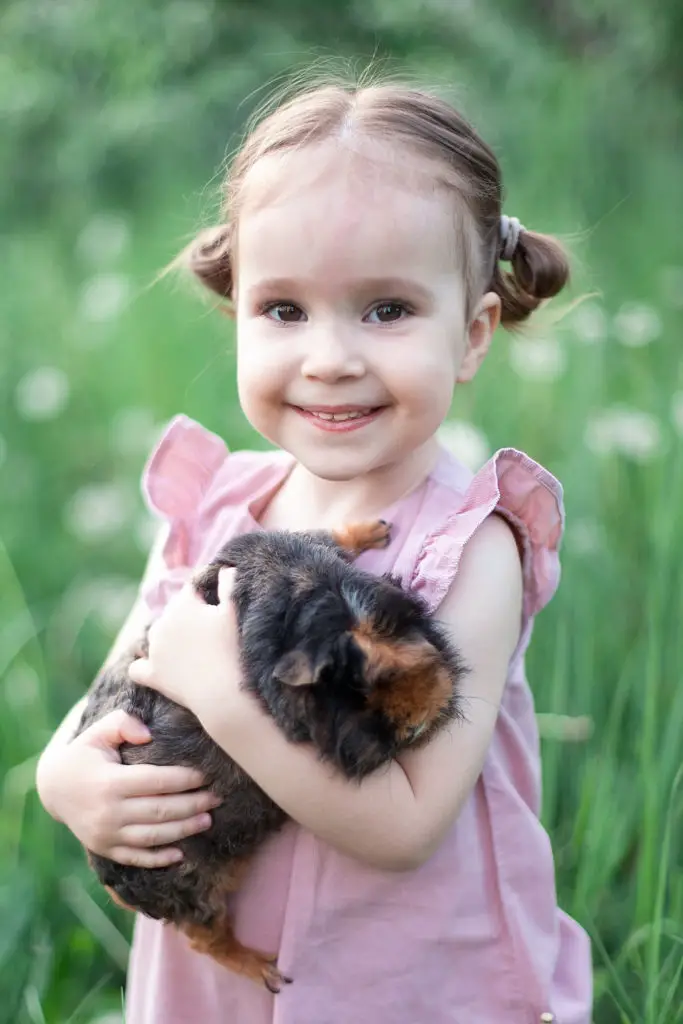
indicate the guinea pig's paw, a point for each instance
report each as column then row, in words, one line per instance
column 379, row 533
column 117, row 899
column 359, row 537
column 273, row 978
column 220, row 943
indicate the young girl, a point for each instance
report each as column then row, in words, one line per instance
column 361, row 250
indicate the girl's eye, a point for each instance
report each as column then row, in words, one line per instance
column 285, row 313
column 387, row 313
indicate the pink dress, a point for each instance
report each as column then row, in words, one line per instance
column 474, row 936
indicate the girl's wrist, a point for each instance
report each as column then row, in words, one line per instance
column 225, row 713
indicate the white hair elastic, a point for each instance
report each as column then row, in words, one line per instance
column 510, row 230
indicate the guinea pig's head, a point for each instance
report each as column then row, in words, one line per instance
column 364, row 675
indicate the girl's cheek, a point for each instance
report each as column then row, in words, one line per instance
column 260, row 399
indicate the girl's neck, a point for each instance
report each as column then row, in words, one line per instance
column 309, row 502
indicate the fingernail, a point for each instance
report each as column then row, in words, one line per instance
column 176, row 856
column 205, row 821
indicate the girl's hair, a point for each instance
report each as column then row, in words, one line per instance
column 432, row 128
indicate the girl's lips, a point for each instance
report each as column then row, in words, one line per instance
column 338, row 426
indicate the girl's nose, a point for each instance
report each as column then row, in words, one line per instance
column 330, row 357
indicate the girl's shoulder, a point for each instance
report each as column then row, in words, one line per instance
column 512, row 485
column 190, row 464
column 203, row 494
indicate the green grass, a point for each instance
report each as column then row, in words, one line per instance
column 609, row 646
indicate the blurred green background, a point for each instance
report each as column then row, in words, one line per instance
column 115, row 121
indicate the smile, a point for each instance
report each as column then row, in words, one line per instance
column 342, row 419
column 337, row 417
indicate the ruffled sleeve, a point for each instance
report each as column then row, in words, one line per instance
column 175, row 481
column 530, row 498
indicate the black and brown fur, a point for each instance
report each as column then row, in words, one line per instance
column 340, row 658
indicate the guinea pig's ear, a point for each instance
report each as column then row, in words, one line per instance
column 296, row 668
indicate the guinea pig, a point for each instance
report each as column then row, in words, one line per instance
column 343, row 660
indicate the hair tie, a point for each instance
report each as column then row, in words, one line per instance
column 510, row 230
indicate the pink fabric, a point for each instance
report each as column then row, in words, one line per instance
column 474, row 935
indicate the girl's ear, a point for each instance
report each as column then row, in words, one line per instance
column 479, row 333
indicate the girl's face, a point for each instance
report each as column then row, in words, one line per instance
column 350, row 304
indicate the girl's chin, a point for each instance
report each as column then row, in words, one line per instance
column 335, row 461
column 333, row 468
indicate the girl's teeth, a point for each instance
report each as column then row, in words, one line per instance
column 342, row 415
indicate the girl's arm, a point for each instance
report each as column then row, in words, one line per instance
column 131, row 630
column 48, row 779
column 397, row 817
column 116, row 810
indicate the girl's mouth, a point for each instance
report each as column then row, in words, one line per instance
column 341, row 419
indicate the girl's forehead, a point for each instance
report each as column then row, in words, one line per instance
column 359, row 167
column 343, row 202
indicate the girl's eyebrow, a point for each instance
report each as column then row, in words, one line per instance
column 379, row 287
column 275, row 285
column 393, row 287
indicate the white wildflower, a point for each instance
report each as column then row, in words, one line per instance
column 103, row 239
column 584, row 536
column 538, row 359
column 98, row 511
column 636, row 324
column 104, row 297
column 134, row 431
column 589, row 323
column 42, row 394
column 466, row 442
column 108, row 598
column 629, row 432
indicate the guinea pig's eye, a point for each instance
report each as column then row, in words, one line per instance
column 416, row 730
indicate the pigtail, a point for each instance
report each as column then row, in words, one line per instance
column 540, row 269
column 209, row 258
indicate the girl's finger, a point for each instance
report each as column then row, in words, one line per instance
column 140, row 671
column 139, row 857
column 145, row 810
column 168, row 832
column 156, row 780
column 114, row 729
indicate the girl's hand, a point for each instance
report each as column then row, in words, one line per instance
column 120, row 811
column 193, row 654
